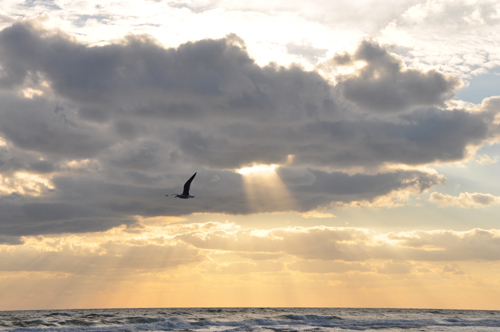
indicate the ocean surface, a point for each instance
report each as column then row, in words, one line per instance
column 250, row 319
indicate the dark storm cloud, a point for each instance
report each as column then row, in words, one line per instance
column 46, row 126
column 117, row 127
column 139, row 155
column 10, row 240
column 20, row 161
column 420, row 137
column 384, row 85
column 342, row 59
column 321, row 188
column 29, row 216
column 224, row 111
column 83, row 203
column 206, row 78
column 93, row 114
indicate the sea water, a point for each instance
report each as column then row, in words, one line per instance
column 250, row 319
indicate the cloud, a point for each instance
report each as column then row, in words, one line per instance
column 322, row 188
column 465, row 200
column 10, row 240
column 226, row 248
column 259, row 256
column 354, row 244
column 384, row 85
column 42, row 125
column 97, row 256
column 395, row 268
column 368, row 17
column 453, row 268
column 450, row 245
column 245, row 268
column 486, row 159
column 466, row 46
column 113, row 128
column 319, row 266
column 222, row 110
column 317, row 214
column 306, row 50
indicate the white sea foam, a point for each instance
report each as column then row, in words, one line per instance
column 249, row 319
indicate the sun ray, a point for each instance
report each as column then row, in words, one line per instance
column 264, row 188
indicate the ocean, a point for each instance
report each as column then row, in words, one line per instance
column 250, row 319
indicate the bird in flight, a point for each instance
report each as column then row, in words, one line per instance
column 185, row 193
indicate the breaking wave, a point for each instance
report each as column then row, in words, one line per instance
column 249, row 319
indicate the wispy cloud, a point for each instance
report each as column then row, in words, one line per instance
column 465, row 200
column 485, row 159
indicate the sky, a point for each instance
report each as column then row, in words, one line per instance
column 346, row 153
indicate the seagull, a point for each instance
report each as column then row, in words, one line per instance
column 185, row 193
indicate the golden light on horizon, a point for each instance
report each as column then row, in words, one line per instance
column 213, row 261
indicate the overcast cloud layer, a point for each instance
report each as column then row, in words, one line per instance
column 94, row 136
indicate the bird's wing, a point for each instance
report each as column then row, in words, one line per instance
column 187, row 185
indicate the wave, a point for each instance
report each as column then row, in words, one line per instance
column 309, row 317
column 248, row 320
column 59, row 314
